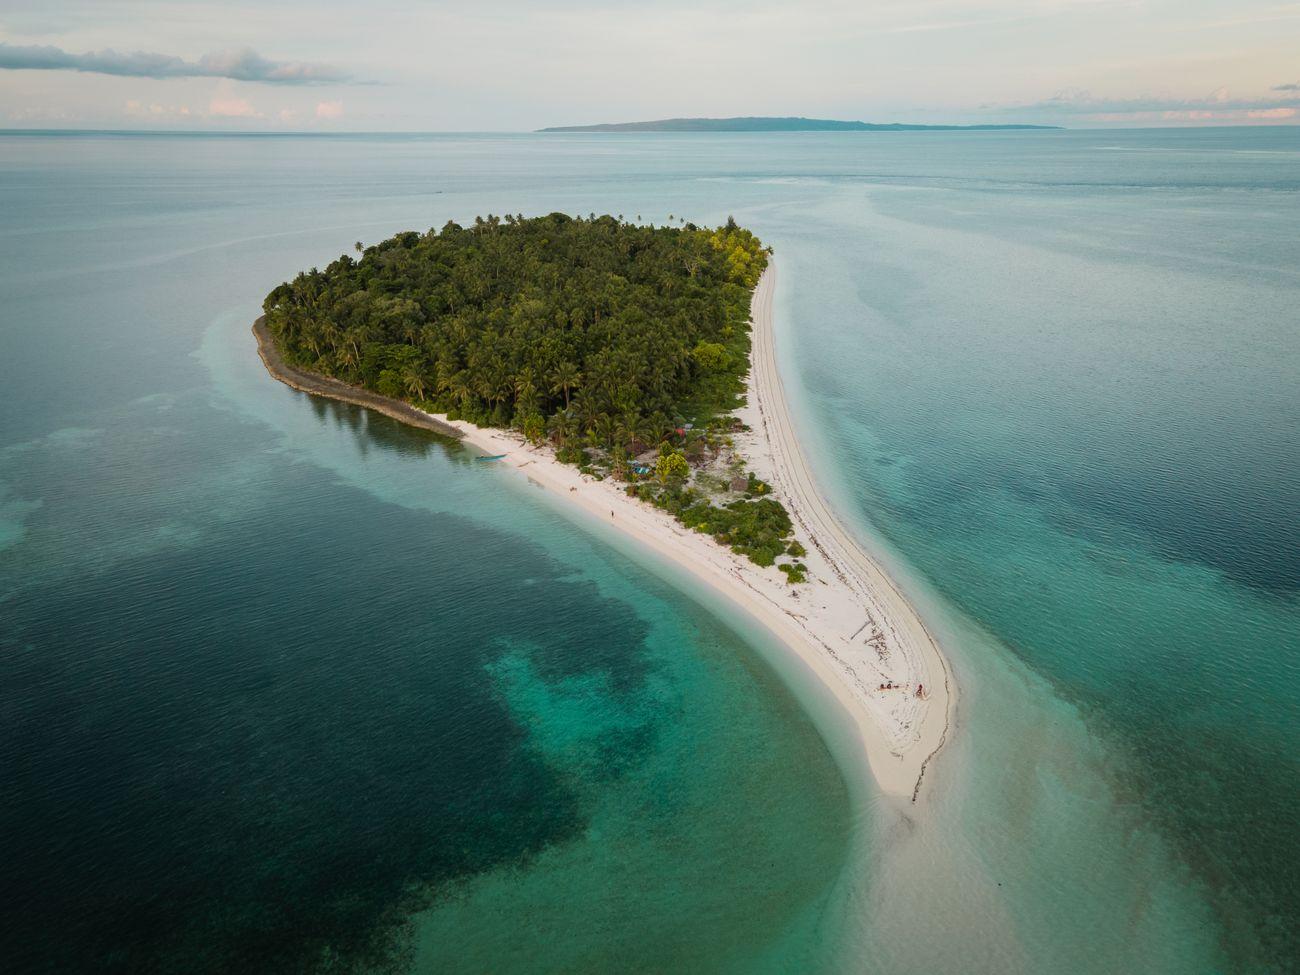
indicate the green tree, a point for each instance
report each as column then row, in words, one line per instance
column 658, row 429
column 565, row 379
column 672, row 468
column 626, row 429
column 414, row 381
column 534, row 427
column 461, row 388
column 711, row 355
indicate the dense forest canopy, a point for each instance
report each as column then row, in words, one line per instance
column 624, row 344
column 599, row 328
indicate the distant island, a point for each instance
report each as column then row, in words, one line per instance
column 763, row 123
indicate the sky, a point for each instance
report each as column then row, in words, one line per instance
column 512, row 65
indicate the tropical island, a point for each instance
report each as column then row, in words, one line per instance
column 623, row 346
column 761, row 123
column 629, row 369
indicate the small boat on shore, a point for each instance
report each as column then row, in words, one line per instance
column 493, row 457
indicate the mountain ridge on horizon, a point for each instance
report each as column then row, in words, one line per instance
column 768, row 123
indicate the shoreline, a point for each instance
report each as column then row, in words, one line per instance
column 331, row 388
column 892, row 624
column 849, row 624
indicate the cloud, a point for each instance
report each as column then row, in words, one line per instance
column 243, row 65
column 1211, row 115
column 247, row 65
column 134, row 108
column 39, row 114
column 329, row 110
column 1077, row 102
column 227, row 107
column 1293, row 86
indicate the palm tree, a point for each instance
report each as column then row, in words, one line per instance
column 563, row 427
column 410, row 330
column 445, row 375
column 659, row 429
column 505, row 386
column 347, row 357
column 331, row 334
column 525, row 389
column 413, row 379
column 602, row 431
column 460, row 387
column 587, row 415
column 565, row 377
column 627, row 429
column 354, row 337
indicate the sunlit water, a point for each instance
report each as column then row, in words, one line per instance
column 285, row 685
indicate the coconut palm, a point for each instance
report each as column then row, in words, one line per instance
column 564, row 379
column 461, row 388
column 414, row 381
column 627, row 429
column 525, row 390
column 658, row 428
column 346, row 358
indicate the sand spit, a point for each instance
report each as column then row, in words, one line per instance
column 850, row 623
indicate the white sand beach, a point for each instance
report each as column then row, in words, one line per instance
column 849, row 623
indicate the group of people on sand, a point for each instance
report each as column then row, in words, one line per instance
column 891, row 686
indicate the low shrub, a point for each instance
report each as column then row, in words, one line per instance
column 572, row 454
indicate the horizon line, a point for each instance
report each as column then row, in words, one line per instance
column 71, row 130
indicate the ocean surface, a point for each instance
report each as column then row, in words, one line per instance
column 285, row 686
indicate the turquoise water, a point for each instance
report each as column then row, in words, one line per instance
column 284, row 685
column 1071, row 400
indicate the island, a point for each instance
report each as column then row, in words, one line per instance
column 762, row 123
column 629, row 369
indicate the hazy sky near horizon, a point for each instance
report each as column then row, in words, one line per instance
column 515, row 65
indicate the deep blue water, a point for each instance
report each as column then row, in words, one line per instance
column 278, row 678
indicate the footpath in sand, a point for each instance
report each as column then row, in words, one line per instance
column 849, row 623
